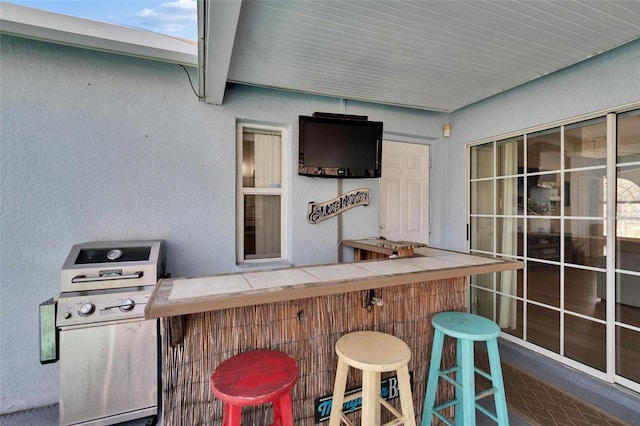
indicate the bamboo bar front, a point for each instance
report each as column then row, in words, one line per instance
column 307, row 329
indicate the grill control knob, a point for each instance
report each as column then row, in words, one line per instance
column 127, row 305
column 86, row 309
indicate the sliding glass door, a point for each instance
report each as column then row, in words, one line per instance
column 627, row 248
column 566, row 200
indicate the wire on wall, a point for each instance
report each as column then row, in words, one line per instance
column 190, row 82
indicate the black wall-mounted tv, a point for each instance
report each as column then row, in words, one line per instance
column 339, row 146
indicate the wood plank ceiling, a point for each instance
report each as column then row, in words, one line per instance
column 431, row 55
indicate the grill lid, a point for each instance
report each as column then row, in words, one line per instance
column 112, row 264
column 105, row 255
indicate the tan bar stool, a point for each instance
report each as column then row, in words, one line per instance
column 373, row 353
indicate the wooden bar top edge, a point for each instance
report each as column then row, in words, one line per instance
column 159, row 304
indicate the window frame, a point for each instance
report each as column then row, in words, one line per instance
column 282, row 192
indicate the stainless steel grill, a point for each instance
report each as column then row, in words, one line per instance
column 108, row 352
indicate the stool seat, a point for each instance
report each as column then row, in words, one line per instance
column 462, row 325
column 254, row 378
column 466, row 328
column 370, row 350
column 373, row 353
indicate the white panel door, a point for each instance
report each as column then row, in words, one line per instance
column 404, row 192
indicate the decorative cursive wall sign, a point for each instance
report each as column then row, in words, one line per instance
column 321, row 211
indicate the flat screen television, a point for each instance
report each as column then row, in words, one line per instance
column 339, row 146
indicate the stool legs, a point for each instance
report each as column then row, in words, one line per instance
column 498, row 383
column 459, row 409
column 467, row 381
column 371, row 399
column 338, row 393
column 432, row 381
column 232, row 415
column 465, row 396
column 406, row 397
column 283, row 411
column 370, row 393
column 372, row 353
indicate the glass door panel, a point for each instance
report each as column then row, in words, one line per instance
column 627, row 248
column 482, row 234
column 544, row 240
column 509, row 156
column 544, row 150
column 628, row 148
column 583, row 341
column 507, row 196
column 510, row 315
column 482, row 161
column 484, row 281
column 509, row 236
column 627, row 347
column 584, row 192
column 482, row 197
column 585, row 143
column 543, row 327
column 587, row 242
column 543, row 195
column 627, row 310
column 543, row 283
column 511, row 283
column 581, row 286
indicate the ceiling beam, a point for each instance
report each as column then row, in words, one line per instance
column 217, row 25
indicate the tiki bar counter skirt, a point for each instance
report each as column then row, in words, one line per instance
column 303, row 311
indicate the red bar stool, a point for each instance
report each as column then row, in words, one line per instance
column 253, row 378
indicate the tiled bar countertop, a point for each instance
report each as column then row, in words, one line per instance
column 180, row 296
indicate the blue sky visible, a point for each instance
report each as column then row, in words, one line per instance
column 172, row 17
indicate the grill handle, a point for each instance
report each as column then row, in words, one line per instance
column 85, row 279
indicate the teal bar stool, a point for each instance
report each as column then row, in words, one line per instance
column 467, row 329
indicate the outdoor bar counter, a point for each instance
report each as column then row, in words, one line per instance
column 303, row 311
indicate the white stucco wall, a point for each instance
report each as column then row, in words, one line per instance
column 98, row 147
